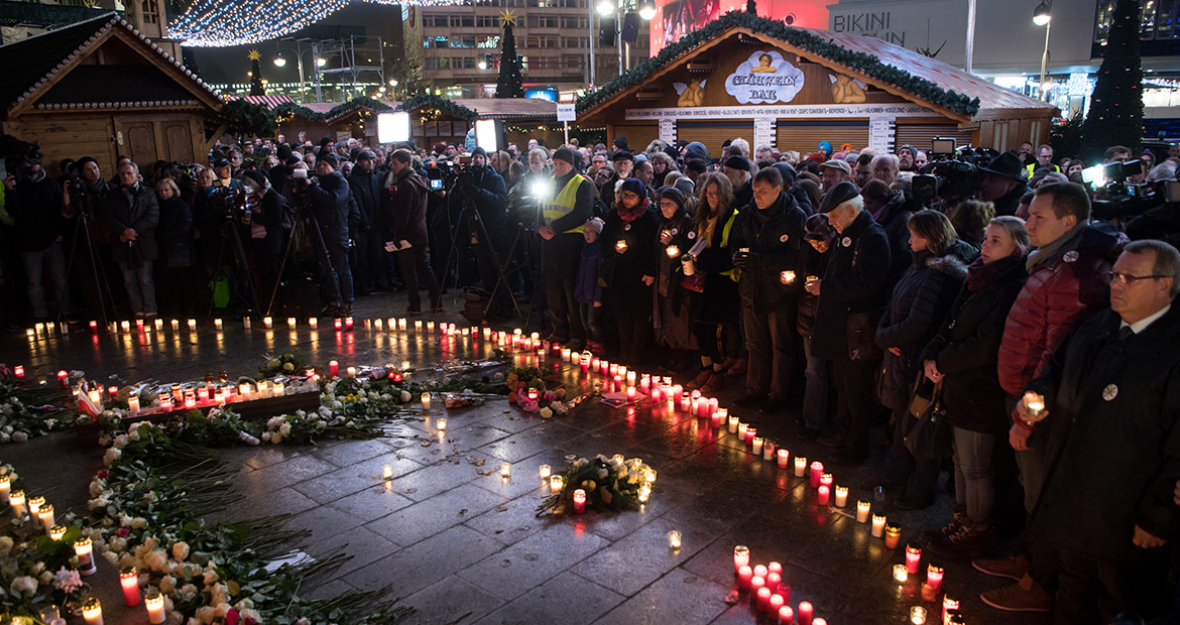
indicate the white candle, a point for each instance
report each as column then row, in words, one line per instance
column 133, row 404
column 35, row 504
column 192, row 324
column 545, row 469
column 217, row 323
column 733, row 424
column 92, row 612
column 878, row 526
column 426, row 401
column 17, row 501
column 841, row 496
column 45, row 514
column 5, row 486
column 783, row 455
column 85, row 552
column 757, row 445
column 800, row 466
column 291, row 323
column 268, row 323
column 674, row 539
column 505, row 469
column 862, row 511
column 155, row 608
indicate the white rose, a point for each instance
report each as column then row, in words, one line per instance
column 111, row 455
column 187, row 592
column 206, row 614
column 156, row 559
column 6, row 544
column 120, row 441
column 167, row 584
column 19, row 437
column 180, row 550
column 266, row 437
column 46, row 577
column 111, row 557
column 285, row 430
column 38, row 567
column 211, row 577
column 24, row 584
column 138, row 523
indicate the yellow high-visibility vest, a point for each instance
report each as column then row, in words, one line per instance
column 563, row 204
column 733, row 274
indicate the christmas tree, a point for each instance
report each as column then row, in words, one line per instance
column 256, row 74
column 1116, row 106
column 509, row 83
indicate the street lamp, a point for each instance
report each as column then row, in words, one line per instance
column 1042, row 16
column 647, row 9
column 321, row 61
column 605, row 8
column 619, row 8
column 280, row 61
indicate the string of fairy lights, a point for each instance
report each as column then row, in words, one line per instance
column 220, row 23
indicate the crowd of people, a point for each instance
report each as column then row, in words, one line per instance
column 1038, row 334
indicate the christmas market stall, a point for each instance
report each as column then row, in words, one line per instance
column 100, row 88
column 435, row 119
column 340, row 121
column 791, row 88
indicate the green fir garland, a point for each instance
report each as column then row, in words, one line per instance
column 426, row 100
column 857, row 61
column 289, row 108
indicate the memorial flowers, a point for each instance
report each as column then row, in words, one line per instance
column 606, row 483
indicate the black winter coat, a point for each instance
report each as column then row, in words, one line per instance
column 773, row 237
column 917, row 309
column 35, row 207
column 1008, row 204
column 670, row 270
column 331, row 204
column 135, row 208
column 966, row 349
column 406, row 215
column 491, row 197
column 814, row 264
column 720, row 301
column 854, row 282
column 175, row 231
column 367, row 191
column 894, row 219
column 625, row 292
column 270, row 215
column 1114, row 445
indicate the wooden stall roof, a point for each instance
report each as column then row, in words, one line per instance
column 50, row 71
column 511, row 108
column 843, row 52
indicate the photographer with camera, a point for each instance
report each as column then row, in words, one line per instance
column 1003, row 183
column 406, row 234
column 263, row 222
column 133, row 212
column 490, row 196
column 328, row 197
column 84, row 196
column 35, row 204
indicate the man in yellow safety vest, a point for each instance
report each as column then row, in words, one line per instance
column 562, row 216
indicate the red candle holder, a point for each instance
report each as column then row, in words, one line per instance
column 129, row 580
column 805, row 613
column 745, row 577
column 579, row 501
column 913, row 557
column 63, row 378
column 934, row 577
column 333, row 365
column 763, row 595
column 824, row 495
column 786, row 615
column 817, row 470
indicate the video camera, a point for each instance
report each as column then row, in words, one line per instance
column 231, row 202
column 450, row 175
column 1114, row 198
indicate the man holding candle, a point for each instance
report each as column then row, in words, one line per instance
column 767, row 239
column 851, row 296
column 1112, row 401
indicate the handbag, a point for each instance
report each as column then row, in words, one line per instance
column 862, row 335
column 930, row 437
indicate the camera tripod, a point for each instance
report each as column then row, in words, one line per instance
column 469, row 212
column 241, row 282
column 102, row 287
column 304, row 219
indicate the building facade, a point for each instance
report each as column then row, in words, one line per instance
column 461, row 46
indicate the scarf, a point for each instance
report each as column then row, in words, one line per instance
column 1044, row 254
column 981, row 275
column 631, row 214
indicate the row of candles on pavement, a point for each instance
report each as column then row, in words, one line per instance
column 190, row 397
column 695, row 404
column 41, row 514
column 394, row 324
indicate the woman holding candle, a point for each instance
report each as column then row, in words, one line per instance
column 672, row 309
column 963, row 357
column 920, row 303
column 629, row 238
column 587, row 289
column 718, row 307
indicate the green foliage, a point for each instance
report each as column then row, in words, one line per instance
column 1116, row 106
column 256, row 87
column 246, row 119
column 427, row 100
column 509, row 84
column 1066, row 137
column 857, row 61
column 290, row 108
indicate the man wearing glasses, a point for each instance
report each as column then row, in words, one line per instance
column 1112, row 399
column 1066, row 283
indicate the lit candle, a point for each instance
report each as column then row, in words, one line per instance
column 913, row 556
column 192, row 324
column 786, row 615
column 45, row 515
column 758, row 442
column 442, row 423
column 92, row 611
column 291, row 323
column 175, row 325
column 644, row 493
column 95, row 396
column 579, row 501
column 426, row 401
column 783, row 456
column 918, row 615
column 824, row 494
column 155, row 608
column 57, row 532
column 805, row 613
column 751, row 432
column 1034, row 404
column 819, row 621
column 742, row 427
column 129, row 579
column 387, row 472
column 5, row 486
column 741, row 557
column 878, row 525
column 545, row 470
column 800, row 465
column 565, row 353
column 19, row 371
column 817, row 470
column 776, row 603
column 862, row 511
column 631, row 393
column 85, row 552
column 892, row 535
column 621, row 246
column 16, row 499
column 245, row 323
column 339, row 323
column 745, row 575
column 63, row 378
column 900, row 574
column 351, row 371
column 556, row 483
column 35, row 504
column 763, row 595
column 94, row 325
column 133, row 404
column 674, row 540
column 826, row 480
column 768, row 451
column 841, row 496
column 217, row 324
column 948, row 605
column 934, row 576
column 760, row 570
column 125, row 326
column 333, row 368
column 787, row 277
column 401, row 324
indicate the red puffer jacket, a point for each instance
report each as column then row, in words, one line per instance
column 1059, row 294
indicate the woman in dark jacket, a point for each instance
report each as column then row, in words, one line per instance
column 628, row 238
column 963, row 356
column 820, row 236
column 265, row 232
column 175, row 236
column 672, row 304
column 890, row 209
column 918, row 307
column 718, row 308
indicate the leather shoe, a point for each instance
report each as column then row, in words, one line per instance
column 1024, row 596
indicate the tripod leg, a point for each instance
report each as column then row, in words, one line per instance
column 243, row 266
column 501, row 268
column 282, row 265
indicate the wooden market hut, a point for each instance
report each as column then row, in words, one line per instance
column 101, row 88
column 352, row 119
column 772, row 84
column 438, row 119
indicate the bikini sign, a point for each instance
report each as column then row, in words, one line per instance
column 765, row 78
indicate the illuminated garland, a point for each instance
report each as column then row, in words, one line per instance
column 289, row 110
column 219, row 23
column 858, row 61
column 430, row 101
